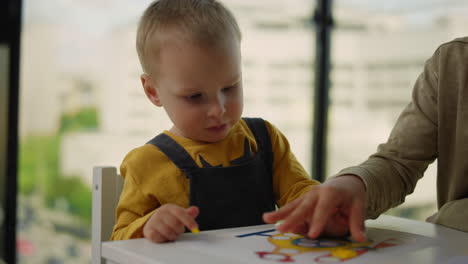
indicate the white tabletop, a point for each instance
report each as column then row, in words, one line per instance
column 423, row 243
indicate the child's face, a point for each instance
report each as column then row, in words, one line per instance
column 200, row 89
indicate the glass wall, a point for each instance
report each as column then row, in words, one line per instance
column 278, row 52
column 378, row 51
column 82, row 104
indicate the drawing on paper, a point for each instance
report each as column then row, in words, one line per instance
column 288, row 245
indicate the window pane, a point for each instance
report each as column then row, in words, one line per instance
column 378, row 51
column 278, row 54
column 82, row 104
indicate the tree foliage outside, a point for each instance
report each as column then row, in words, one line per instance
column 39, row 163
column 84, row 120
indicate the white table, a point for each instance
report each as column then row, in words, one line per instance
column 448, row 246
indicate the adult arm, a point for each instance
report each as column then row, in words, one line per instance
column 392, row 172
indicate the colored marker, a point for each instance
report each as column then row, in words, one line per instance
column 195, row 230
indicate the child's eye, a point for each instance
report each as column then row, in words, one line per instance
column 194, row 96
column 229, row 88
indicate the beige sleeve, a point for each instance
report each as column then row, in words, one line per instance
column 392, row 172
column 452, row 214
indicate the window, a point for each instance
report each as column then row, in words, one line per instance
column 82, row 104
column 386, row 44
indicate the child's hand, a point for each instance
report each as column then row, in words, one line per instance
column 169, row 221
column 334, row 209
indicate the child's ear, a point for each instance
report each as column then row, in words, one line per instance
column 150, row 89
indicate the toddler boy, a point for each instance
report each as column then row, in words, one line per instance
column 212, row 169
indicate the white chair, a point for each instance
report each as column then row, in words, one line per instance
column 107, row 186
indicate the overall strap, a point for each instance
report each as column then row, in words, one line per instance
column 260, row 131
column 175, row 152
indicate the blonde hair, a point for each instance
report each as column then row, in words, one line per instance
column 203, row 21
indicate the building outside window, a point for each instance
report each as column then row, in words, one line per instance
column 82, row 104
column 378, row 51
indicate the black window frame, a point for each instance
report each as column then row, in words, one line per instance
column 10, row 28
column 323, row 20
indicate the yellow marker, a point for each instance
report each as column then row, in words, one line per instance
column 343, row 253
column 195, row 230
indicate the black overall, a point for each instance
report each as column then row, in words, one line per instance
column 231, row 196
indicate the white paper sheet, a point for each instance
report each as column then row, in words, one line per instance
column 269, row 246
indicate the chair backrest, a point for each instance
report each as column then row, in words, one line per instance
column 107, row 186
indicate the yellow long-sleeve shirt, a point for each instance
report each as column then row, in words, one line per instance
column 152, row 180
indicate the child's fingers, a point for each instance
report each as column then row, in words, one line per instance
column 170, row 229
column 183, row 215
column 356, row 221
column 275, row 216
column 155, row 237
column 193, row 211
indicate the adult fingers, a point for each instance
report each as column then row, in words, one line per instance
column 300, row 214
column 356, row 221
column 301, row 229
column 283, row 212
column 327, row 204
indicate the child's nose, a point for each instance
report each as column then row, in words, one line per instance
column 217, row 108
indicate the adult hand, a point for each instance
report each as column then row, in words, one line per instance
column 169, row 221
column 335, row 208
